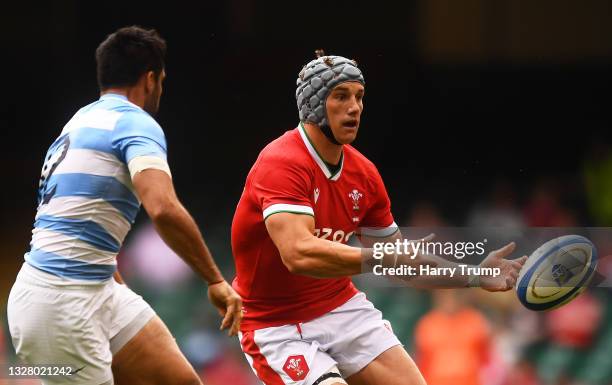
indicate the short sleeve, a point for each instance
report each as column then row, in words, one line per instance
column 281, row 186
column 378, row 216
column 137, row 134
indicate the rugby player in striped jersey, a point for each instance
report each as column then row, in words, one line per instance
column 65, row 308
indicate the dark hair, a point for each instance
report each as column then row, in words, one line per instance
column 127, row 54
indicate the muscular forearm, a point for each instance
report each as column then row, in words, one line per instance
column 178, row 229
column 321, row 258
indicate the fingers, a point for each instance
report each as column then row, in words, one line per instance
column 514, row 274
column 429, row 237
column 510, row 283
column 505, row 284
column 504, row 251
column 227, row 319
column 518, row 264
column 237, row 319
column 229, row 305
column 232, row 318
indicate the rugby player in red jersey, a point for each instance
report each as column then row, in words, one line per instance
column 307, row 193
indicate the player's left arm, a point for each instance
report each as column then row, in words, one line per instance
column 379, row 215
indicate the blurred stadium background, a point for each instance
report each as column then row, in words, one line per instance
column 477, row 113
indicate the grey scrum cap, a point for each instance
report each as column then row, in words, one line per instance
column 317, row 79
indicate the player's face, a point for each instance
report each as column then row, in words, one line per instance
column 155, row 91
column 344, row 106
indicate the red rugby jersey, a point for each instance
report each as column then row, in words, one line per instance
column 290, row 176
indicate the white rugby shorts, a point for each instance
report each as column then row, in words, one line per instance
column 77, row 325
column 349, row 338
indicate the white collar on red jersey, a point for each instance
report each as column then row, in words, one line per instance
column 317, row 158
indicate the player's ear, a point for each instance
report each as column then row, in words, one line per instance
column 150, row 81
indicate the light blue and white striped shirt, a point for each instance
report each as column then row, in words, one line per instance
column 87, row 202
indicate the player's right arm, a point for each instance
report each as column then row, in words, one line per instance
column 303, row 253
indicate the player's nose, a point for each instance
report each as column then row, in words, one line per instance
column 353, row 107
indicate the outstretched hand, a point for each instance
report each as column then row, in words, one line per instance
column 509, row 269
column 229, row 305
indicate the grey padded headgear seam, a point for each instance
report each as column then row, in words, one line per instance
column 315, row 82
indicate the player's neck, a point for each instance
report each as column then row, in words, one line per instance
column 133, row 94
column 329, row 151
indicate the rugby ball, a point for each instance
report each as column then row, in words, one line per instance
column 556, row 272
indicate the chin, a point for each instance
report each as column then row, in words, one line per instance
column 347, row 138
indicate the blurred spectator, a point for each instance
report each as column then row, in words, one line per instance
column 523, row 373
column 544, row 207
column 149, row 260
column 526, row 327
column 452, row 341
column 597, row 172
column 425, row 214
column 500, row 357
column 571, row 332
column 575, row 324
column 500, row 210
column 217, row 363
column 228, row 369
column 201, row 347
column 564, row 218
